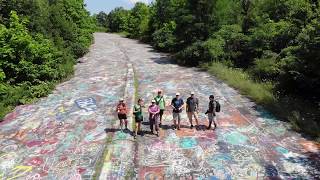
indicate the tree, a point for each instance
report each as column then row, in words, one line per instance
column 118, row 20
column 139, row 20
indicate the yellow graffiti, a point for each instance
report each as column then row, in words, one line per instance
column 19, row 171
column 61, row 109
column 108, row 156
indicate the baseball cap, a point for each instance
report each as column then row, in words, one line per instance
column 192, row 92
column 153, row 101
column 121, row 99
column 177, row 94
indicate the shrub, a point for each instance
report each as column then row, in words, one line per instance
column 164, row 38
column 191, row 55
column 267, row 67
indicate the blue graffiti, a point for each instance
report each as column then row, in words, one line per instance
column 88, row 104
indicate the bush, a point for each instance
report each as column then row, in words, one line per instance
column 192, row 55
column 214, row 49
column 236, row 46
column 36, row 53
column 164, row 38
column 267, row 67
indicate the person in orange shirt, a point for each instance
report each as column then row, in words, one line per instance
column 122, row 113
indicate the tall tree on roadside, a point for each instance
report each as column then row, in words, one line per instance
column 139, row 20
column 119, row 20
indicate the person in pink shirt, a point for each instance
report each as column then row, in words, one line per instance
column 154, row 111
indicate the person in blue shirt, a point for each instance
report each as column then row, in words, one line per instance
column 177, row 105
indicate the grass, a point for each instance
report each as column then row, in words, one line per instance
column 260, row 92
column 123, row 34
column 100, row 163
column 136, row 91
column 301, row 114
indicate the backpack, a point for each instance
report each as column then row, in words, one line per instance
column 218, row 106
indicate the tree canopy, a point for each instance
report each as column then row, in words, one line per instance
column 39, row 43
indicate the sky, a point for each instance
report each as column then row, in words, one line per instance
column 95, row 6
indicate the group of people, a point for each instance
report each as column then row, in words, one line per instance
column 158, row 106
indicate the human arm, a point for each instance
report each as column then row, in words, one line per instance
column 172, row 102
column 182, row 104
column 197, row 105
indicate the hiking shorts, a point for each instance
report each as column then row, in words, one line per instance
column 211, row 117
column 192, row 114
column 122, row 116
column 138, row 119
column 176, row 116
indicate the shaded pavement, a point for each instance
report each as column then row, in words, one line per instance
column 63, row 135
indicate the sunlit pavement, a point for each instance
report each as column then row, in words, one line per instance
column 64, row 135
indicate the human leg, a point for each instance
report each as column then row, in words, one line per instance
column 161, row 114
column 190, row 119
column 179, row 120
column 210, row 118
column 175, row 116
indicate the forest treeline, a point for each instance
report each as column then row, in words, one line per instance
column 40, row 41
column 269, row 49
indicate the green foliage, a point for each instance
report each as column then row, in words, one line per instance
column 39, row 41
column 139, row 20
column 164, row 38
column 267, row 67
column 273, row 42
column 260, row 92
column 191, row 55
column 118, row 20
column 102, row 20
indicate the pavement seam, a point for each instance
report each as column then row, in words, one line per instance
column 129, row 96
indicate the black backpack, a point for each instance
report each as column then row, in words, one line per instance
column 218, row 106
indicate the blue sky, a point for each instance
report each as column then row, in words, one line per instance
column 95, row 6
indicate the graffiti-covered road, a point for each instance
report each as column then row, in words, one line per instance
column 64, row 135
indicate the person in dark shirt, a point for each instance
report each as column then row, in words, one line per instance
column 211, row 112
column 177, row 105
column 192, row 109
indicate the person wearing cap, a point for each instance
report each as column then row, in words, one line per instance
column 161, row 103
column 122, row 113
column 137, row 111
column 154, row 111
column 192, row 106
column 177, row 105
column 211, row 112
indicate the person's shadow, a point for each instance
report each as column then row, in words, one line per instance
column 113, row 130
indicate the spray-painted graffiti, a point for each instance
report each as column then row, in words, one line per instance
column 249, row 142
column 64, row 135
column 88, row 104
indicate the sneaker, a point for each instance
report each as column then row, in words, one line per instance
column 151, row 132
column 208, row 128
column 173, row 127
column 191, row 127
column 135, row 136
column 178, row 128
column 157, row 133
column 215, row 126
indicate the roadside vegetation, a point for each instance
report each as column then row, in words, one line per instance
column 268, row 49
column 39, row 44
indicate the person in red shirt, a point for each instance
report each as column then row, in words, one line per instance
column 122, row 113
